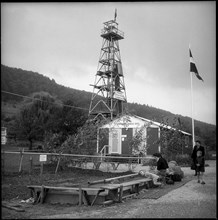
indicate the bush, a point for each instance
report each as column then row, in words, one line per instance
column 182, row 159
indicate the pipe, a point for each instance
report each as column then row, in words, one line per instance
column 110, row 179
column 120, row 177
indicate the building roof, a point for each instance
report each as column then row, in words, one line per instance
column 137, row 121
column 161, row 125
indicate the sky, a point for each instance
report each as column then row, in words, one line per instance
column 62, row 41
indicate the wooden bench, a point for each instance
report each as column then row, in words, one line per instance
column 89, row 195
column 40, row 193
column 134, row 184
column 115, row 191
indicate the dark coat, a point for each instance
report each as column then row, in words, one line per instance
column 162, row 164
column 194, row 152
column 201, row 162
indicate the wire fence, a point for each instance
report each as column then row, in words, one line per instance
column 19, row 161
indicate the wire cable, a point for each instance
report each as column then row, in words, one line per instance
column 11, row 93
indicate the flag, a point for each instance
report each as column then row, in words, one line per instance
column 115, row 15
column 193, row 68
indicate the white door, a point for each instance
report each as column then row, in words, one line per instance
column 115, row 141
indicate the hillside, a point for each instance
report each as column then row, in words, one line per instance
column 25, row 83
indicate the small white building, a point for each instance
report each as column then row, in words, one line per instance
column 121, row 131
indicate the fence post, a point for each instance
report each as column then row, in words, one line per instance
column 41, row 172
column 21, row 159
column 41, row 168
column 58, row 164
column 3, row 163
column 30, row 172
column 31, row 165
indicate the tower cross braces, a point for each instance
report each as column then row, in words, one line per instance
column 109, row 94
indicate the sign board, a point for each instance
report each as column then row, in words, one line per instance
column 43, row 158
column 119, row 95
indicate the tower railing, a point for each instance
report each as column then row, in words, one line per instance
column 112, row 30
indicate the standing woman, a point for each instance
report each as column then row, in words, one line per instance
column 197, row 147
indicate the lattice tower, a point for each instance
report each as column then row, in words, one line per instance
column 109, row 94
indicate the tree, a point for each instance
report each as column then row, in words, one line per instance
column 35, row 116
column 63, row 137
column 138, row 139
column 71, row 118
column 171, row 140
column 84, row 141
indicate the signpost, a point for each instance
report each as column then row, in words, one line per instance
column 42, row 159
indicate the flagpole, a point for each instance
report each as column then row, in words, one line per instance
column 193, row 129
column 193, row 69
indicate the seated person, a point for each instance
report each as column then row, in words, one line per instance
column 153, row 176
column 160, row 173
column 162, row 164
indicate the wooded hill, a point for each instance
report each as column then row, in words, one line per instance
column 24, row 83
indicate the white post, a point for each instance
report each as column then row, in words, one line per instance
column 97, row 139
column 159, row 147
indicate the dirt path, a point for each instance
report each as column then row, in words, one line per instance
column 192, row 200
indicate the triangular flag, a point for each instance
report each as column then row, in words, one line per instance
column 193, row 68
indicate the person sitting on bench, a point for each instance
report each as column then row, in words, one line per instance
column 162, row 165
column 153, row 176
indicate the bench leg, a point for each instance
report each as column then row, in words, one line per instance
column 121, row 193
column 34, row 195
column 38, row 196
column 80, row 196
column 130, row 166
column 85, row 198
column 96, row 165
column 99, row 191
column 42, row 194
column 113, row 166
column 108, row 167
column 117, row 166
column 113, row 194
column 137, row 188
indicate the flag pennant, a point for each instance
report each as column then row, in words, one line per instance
column 193, row 68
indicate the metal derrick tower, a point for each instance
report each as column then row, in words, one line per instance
column 109, row 93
